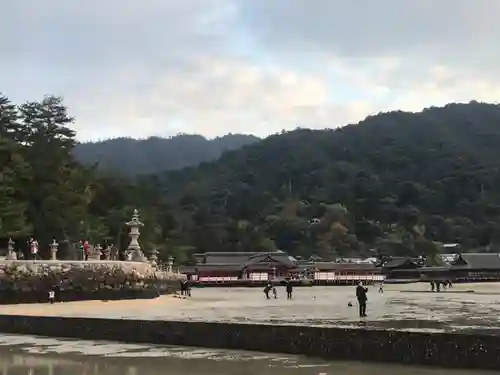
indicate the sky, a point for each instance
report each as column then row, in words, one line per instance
column 140, row 68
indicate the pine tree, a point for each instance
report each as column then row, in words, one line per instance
column 14, row 172
column 58, row 195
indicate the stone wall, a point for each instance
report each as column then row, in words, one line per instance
column 30, row 281
column 460, row 350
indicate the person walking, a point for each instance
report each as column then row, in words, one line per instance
column 267, row 289
column 361, row 297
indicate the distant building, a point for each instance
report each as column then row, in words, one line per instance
column 462, row 267
column 227, row 267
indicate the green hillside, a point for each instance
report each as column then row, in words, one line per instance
column 396, row 180
column 393, row 184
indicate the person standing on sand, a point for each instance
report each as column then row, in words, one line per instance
column 52, row 296
column 381, row 288
column 361, row 297
column 289, row 290
column 267, row 289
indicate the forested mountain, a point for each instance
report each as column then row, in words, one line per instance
column 130, row 157
column 395, row 182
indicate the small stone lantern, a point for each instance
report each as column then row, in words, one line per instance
column 170, row 263
column 98, row 251
column 10, row 254
column 53, row 249
column 153, row 257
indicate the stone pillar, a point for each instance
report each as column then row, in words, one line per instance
column 53, row 249
column 10, row 254
column 134, row 248
column 170, row 263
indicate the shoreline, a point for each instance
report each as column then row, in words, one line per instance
column 407, row 324
column 446, row 350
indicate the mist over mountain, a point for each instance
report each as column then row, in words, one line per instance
column 130, row 157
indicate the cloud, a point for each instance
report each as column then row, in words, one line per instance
column 364, row 28
column 398, row 46
column 160, row 67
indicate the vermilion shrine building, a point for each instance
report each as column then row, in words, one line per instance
column 225, row 267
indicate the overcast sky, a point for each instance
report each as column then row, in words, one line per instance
column 159, row 67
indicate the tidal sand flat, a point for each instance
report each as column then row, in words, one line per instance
column 408, row 306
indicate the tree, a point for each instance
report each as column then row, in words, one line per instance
column 13, row 173
column 58, row 194
column 400, row 182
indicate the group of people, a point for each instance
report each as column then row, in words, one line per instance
column 361, row 294
column 185, row 288
column 270, row 288
column 33, row 251
column 436, row 285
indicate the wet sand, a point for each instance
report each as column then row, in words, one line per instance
column 28, row 354
column 408, row 306
column 400, row 306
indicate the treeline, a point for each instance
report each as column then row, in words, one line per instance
column 46, row 193
column 395, row 184
column 130, row 157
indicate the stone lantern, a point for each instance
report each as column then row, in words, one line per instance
column 153, row 257
column 170, row 263
column 134, row 249
column 53, row 249
column 10, row 254
column 98, row 251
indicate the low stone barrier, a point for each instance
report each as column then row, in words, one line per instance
column 457, row 350
column 30, row 281
column 9, row 297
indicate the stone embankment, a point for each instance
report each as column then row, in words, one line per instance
column 458, row 350
column 30, row 281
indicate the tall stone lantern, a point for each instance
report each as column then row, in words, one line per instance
column 54, row 246
column 134, row 249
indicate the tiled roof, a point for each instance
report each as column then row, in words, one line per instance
column 326, row 266
column 397, row 262
column 271, row 257
column 479, row 260
column 241, row 259
column 223, row 257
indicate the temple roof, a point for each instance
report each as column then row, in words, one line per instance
column 242, row 258
column 478, row 260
